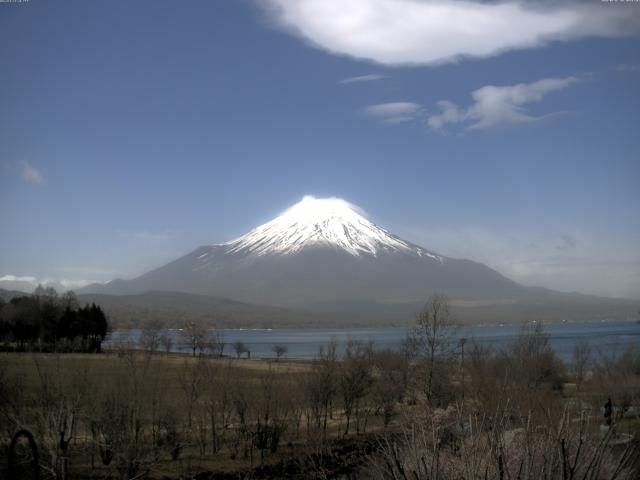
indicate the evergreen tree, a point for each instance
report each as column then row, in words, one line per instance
column 45, row 320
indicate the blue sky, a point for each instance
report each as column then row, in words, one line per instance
column 132, row 132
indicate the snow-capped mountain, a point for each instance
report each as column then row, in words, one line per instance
column 322, row 222
column 323, row 261
column 320, row 252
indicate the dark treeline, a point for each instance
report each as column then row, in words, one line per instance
column 48, row 322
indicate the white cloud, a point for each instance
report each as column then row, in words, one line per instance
column 498, row 105
column 362, row 78
column 17, row 278
column 492, row 106
column 30, row 174
column 628, row 67
column 28, row 283
column 70, row 284
column 449, row 113
column 396, row 32
column 394, row 112
column 577, row 260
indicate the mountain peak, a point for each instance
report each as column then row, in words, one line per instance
column 314, row 208
column 322, row 222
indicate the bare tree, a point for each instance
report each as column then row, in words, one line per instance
column 355, row 380
column 240, row 348
column 321, row 386
column 221, row 344
column 391, row 381
column 69, row 300
column 12, row 401
column 433, row 336
column 193, row 337
column 272, row 410
column 215, row 344
column 489, row 447
column 462, row 343
column 279, row 350
column 120, row 412
column 58, row 410
column 150, row 336
column 192, row 378
column 532, row 358
column 166, row 340
column 217, row 400
column 581, row 359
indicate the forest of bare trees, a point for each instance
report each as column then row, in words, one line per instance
column 356, row 410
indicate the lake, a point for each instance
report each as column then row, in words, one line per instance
column 608, row 337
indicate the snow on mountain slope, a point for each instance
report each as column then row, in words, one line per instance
column 322, row 221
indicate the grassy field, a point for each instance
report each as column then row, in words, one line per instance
column 150, row 387
column 129, row 415
column 101, row 366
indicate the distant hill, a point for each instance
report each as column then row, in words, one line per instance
column 7, row 295
column 174, row 308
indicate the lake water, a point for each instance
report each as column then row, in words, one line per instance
column 608, row 337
